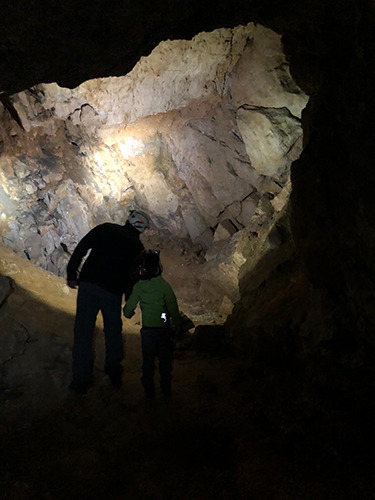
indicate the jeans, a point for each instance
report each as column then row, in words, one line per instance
column 90, row 300
column 156, row 343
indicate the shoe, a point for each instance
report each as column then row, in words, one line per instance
column 166, row 390
column 78, row 388
column 149, row 388
column 115, row 376
column 116, row 383
column 150, row 394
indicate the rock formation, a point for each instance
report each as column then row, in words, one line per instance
column 200, row 135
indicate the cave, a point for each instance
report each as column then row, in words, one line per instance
column 245, row 135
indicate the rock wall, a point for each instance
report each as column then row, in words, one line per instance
column 322, row 286
column 200, row 135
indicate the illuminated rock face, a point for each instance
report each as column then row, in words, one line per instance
column 201, row 134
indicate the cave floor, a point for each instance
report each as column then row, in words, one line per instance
column 206, row 442
column 220, row 436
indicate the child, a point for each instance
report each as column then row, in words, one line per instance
column 158, row 304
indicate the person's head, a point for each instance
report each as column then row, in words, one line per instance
column 149, row 264
column 139, row 220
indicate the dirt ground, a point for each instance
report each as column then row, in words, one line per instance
column 114, row 444
column 210, row 441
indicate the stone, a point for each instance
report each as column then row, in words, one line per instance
column 34, row 246
column 21, row 169
column 268, row 134
column 215, row 249
column 226, row 307
column 224, row 230
column 52, row 176
column 280, row 201
column 248, row 209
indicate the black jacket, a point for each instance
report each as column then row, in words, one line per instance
column 110, row 263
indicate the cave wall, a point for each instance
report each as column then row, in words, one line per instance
column 200, row 135
column 331, row 211
column 334, row 180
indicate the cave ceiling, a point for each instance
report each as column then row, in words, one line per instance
column 70, row 42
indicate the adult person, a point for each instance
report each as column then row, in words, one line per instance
column 106, row 275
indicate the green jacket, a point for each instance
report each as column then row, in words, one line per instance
column 158, row 303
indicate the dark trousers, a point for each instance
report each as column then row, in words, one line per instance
column 90, row 300
column 156, row 343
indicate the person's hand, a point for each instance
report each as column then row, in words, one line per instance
column 72, row 284
column 130, row 315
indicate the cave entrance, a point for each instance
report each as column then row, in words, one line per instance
column 200, row 135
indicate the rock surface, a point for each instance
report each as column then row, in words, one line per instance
column 189, row 136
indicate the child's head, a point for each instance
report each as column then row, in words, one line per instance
column 149, row 264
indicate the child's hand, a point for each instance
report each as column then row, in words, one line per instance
column 130, row 315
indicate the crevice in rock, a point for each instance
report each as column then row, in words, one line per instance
column 80, row 111
column 8, row 293
column 8, row 104
column 270, row 112
column 65, row 248
column 25, row 343
column 238, row 136
column 214, row 139
column 292, row 146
